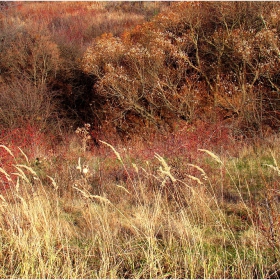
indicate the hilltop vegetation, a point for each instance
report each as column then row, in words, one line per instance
column 139, row 139
column 105, row 64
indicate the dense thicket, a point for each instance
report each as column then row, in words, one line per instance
column 196, row 60
column 214, row 61
column 41, row 81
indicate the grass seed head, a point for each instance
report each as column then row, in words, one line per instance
column 215, row 157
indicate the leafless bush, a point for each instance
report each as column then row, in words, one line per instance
column 22, row 101
column 28, row 51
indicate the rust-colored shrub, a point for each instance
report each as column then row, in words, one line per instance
column 21, row 101
column 145, row 81
column 231, row 49
column 30, row 53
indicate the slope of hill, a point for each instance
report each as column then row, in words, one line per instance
column 139, row 140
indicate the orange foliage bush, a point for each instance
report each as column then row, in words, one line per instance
column 194, row 60
column 144, row 80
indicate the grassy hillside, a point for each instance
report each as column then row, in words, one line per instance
column 139, row 140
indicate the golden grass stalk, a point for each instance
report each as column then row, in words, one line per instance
column 135, row 167
column 101, row 198
column 197, row 167
column 53, row 182
column 215, row 157
column 165, row 169
column 114, row 150
column 25, row 156
column 123, row 188
column 275, row 166
column 27, row 168
column 90, row 196
column 6, row 174
column 79, row 166
column 8, row 150
column 121, row 161
column 195, row 179
column 21, row 174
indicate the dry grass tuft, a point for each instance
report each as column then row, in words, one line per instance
column 152, row 225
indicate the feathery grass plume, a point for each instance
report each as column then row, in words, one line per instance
column 25, row 156
column 274, row 159
column 101, row 198
column 6, row 174
column 195, row 179
column 8, row 150
column 90, row 196
column 79, row 166
column 123, row 188
column 23, row 201
column 197, row 167
column 21, row 174
column 165, row 168
column 135, row 167
column 86, row 195
column 53, row 182
column 215, row 157
column 121, row 161
column 114, row 150
column 275, row 166
column 2, row 198
column 28, row 168
column 17, row 185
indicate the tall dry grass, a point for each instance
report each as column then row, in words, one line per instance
column 73, row 221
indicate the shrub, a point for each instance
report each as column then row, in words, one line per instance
column 227, row 52
column 30, row 53
column 146, row 82
column 21, row 101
